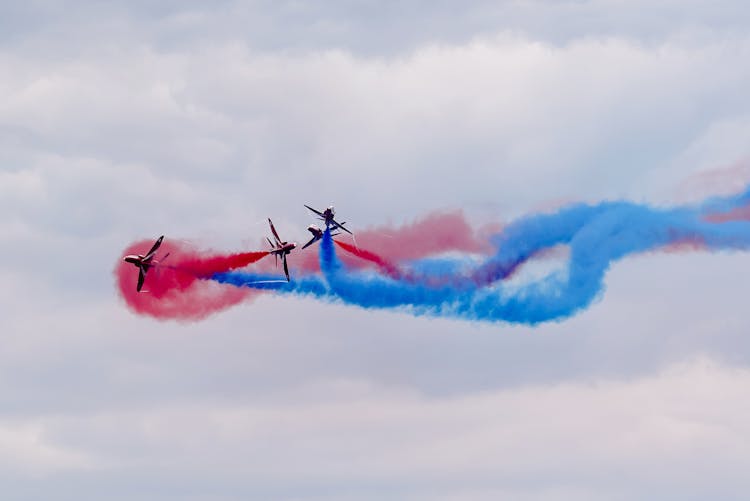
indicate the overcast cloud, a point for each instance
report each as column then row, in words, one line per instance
column 128, row 120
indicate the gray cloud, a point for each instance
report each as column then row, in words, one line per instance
column 366, row 27
column 338, row 439
column 125, row 120
column 533, row 122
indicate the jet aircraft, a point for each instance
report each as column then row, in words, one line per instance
column 327, row 217
column 317, row 235
column 144, row 262
column 280, row 249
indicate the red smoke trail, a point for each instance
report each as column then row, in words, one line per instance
column 492, row 272
column 388, row 268
column 684, row 246
column 204, row 267
column 175, row 289
column 721, row 181
column 434, row 234
column 484, row 276
column 681, row 243
column 737, row 214
column 437, row 233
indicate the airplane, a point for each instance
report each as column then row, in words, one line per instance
column 327, row 217
column 280, row 249
column 144, row 262
column 317, row 235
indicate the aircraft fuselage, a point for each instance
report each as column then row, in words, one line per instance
column 328, row 215
column 284, row 248
column 135, row 260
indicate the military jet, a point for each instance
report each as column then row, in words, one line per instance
column 280, row 248
column 327, row 217
column 144, row 262
column 317, row 235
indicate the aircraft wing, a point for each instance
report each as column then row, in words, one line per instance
column 286, row 269
column 273, row 230
column 316, row 212
column 341, row 226
column 156, row 245
column 141, row 279
column 312, row 241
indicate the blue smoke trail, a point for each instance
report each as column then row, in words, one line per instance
column 596, row 235
column 310, row 285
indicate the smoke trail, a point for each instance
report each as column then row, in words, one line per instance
column 178, row 289
column 595, row 235
column 442, row 272
column 412, row 272
column 435, row 233
column 175, row 291
column 385, row 266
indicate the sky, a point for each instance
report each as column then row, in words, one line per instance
column 122, row 121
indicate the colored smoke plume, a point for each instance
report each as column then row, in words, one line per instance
column 428, row 269
column 178, row 288
column 432, row 234
column 595, row 236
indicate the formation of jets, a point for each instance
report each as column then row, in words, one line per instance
column 279, row 248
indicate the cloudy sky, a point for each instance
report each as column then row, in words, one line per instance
column 126, row 120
